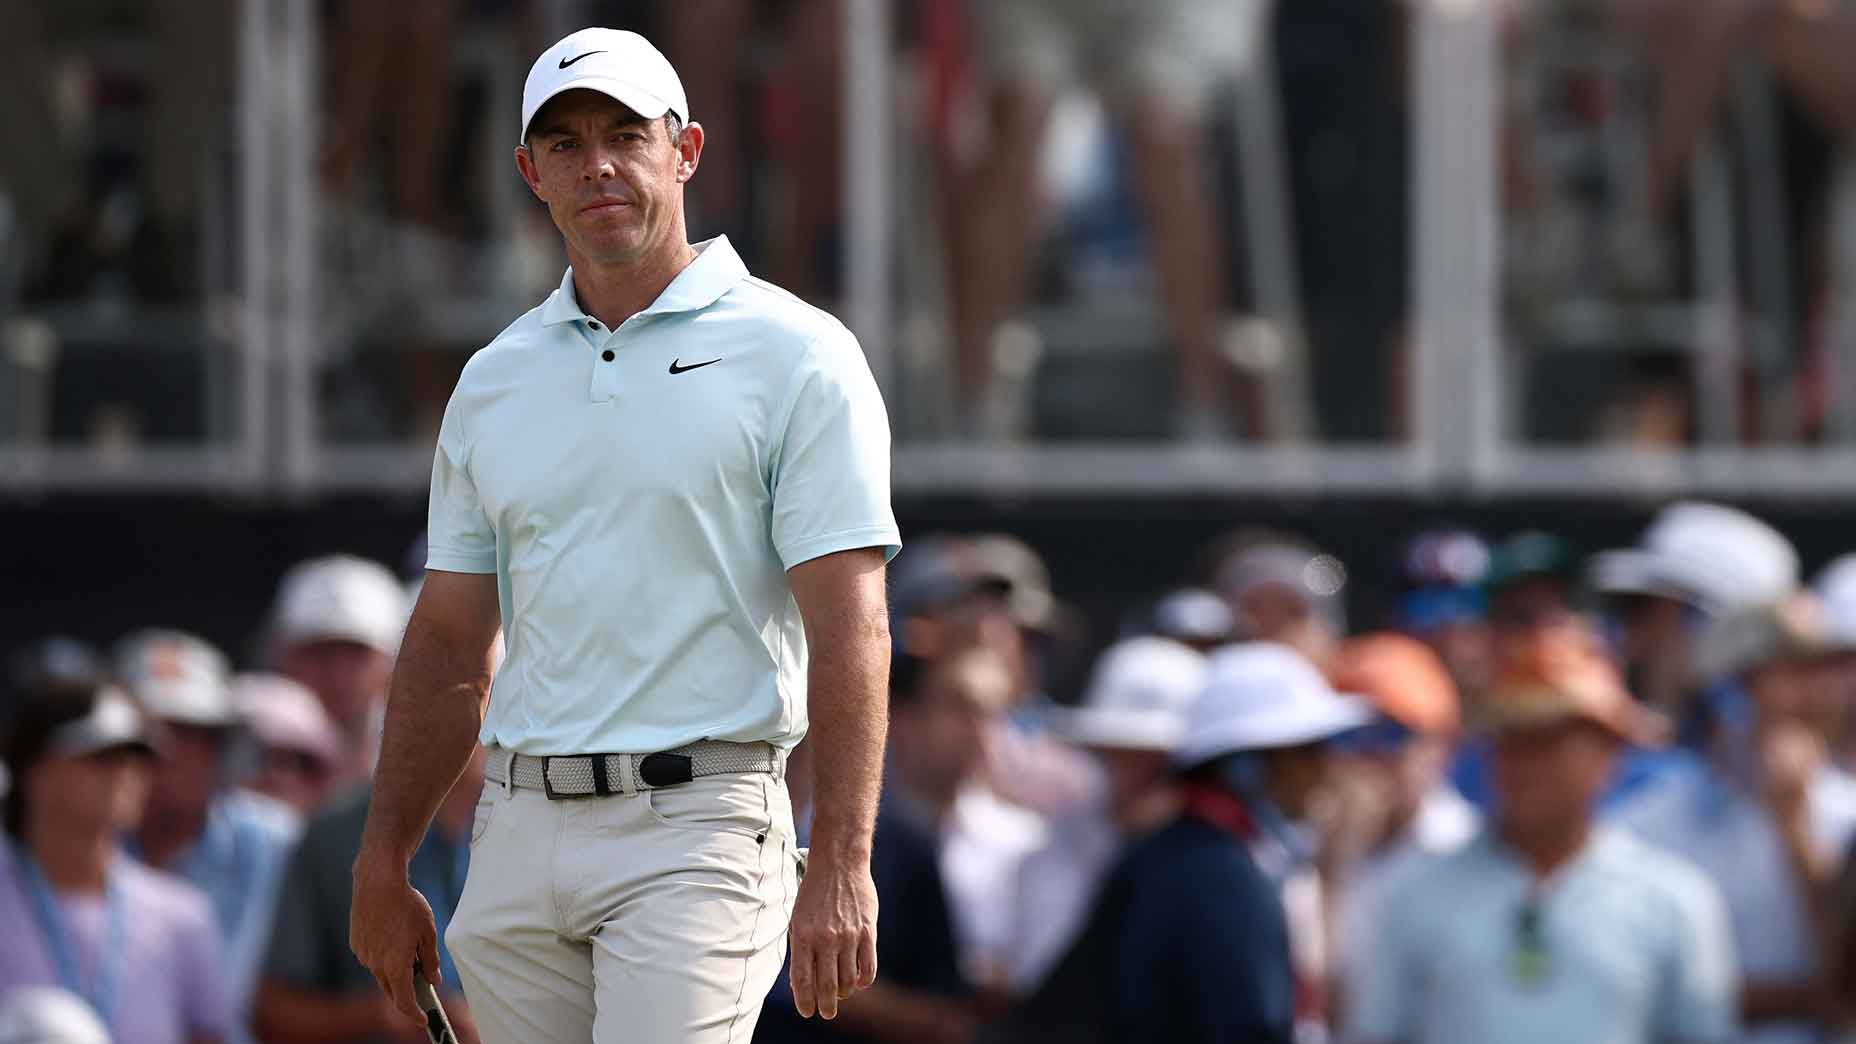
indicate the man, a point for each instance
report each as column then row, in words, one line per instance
column 1282, row 590
column 313, row 991
column 1766, row 814
column 1549, row 927
column 299, row 750
column 666, row 483
column 934, row 759
column 1132, row 716
column 231, row 844
column 1696, row 562
column 1395, row 811
column 139, row 946
column 335, row 628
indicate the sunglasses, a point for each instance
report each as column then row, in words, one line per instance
column 1530, row 963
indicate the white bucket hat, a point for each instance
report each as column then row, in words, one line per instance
column 1264, row 696
column 1137, row 697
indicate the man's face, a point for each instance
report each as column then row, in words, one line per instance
column 349, row 678
column 1548, row 776
column 1280, row 613
column 1525, row 610
column 188, row 771
column 942, row 733
column 612, row 180
column 1297, row 776
column 91, row 793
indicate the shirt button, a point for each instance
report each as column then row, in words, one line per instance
column 607, row 355
column 594, row 323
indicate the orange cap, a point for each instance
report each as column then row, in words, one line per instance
column 1563, row 674
column 1402, row 678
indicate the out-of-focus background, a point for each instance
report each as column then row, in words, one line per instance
column 1379, row 286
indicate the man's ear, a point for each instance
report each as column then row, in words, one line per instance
column 689, row 151
column 531, row 175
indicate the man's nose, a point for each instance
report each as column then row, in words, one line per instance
column 598, row 165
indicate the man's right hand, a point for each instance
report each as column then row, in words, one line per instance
column 390, row 927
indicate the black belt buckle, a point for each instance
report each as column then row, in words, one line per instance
column 665, row 770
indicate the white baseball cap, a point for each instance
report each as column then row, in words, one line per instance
column 620, row 65
column 1137, row 696
column 1836, row 588
column 340, row 598
column 1264, row 696
column 177, row 677
column 1711, row 556
column 49, row 1015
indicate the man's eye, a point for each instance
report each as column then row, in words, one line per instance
column 561, row 146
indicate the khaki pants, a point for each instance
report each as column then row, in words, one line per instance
column 657, row 917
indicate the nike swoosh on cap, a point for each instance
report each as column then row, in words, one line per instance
column 565, row 62
column 675, row 368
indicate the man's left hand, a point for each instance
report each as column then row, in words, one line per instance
column 834, row 934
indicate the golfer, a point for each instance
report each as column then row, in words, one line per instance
column 669, row 484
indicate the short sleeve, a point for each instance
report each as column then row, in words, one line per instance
column 459, row 537
column 1699, row 1005
column 1381, row 977
column 830, row 466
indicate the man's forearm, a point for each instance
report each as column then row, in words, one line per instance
column 434, row 712
column 849, row 715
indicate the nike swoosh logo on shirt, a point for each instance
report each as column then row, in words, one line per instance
column 674, row 368
column 565, row 62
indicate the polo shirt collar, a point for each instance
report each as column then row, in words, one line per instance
column 715, row 271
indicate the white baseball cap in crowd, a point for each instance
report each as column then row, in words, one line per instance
column 618, row 64
column 1264, row 696
column 178, row 677
column 282, row 713
column 49, row 1015
column 1711, row 556
column 339, row 598
column 1137, row 697
column 114, row 723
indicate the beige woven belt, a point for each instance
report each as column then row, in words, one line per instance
column 597, row 775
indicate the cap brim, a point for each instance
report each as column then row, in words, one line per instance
column 1631, row 571
column 633, row 97
column 1119, row 729
column 1336, row 717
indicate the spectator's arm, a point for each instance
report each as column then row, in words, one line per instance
column 899, row 1015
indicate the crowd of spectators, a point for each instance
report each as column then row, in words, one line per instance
column 1550, row 797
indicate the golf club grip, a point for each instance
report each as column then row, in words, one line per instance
column 437, row 1026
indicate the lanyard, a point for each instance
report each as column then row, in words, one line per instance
column 102, row 994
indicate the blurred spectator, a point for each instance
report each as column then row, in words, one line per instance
column 994, row 590
column 48, row 1015
column 1444, row 605
column 1695, row 562
column 1132, row 716
column 1282, row 590
column 1394, row 810
column 1766, row 815
column 298, row 749
column 923, row 992
column 335, row 628
column 231, row 844
column 1529, row 587
column 313, row 991
column 1156, row 63
column 54, row 658
column 138, row 945
column 1205, row 946
column 1842, row 937
column 1194, row 617
column 1549, row 927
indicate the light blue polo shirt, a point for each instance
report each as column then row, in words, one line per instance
column 1637, row 948
column 640, row 493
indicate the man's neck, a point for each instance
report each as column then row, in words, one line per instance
column 615, row 293
column 72, row 861
column 164, row 835
column 1548, row 851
